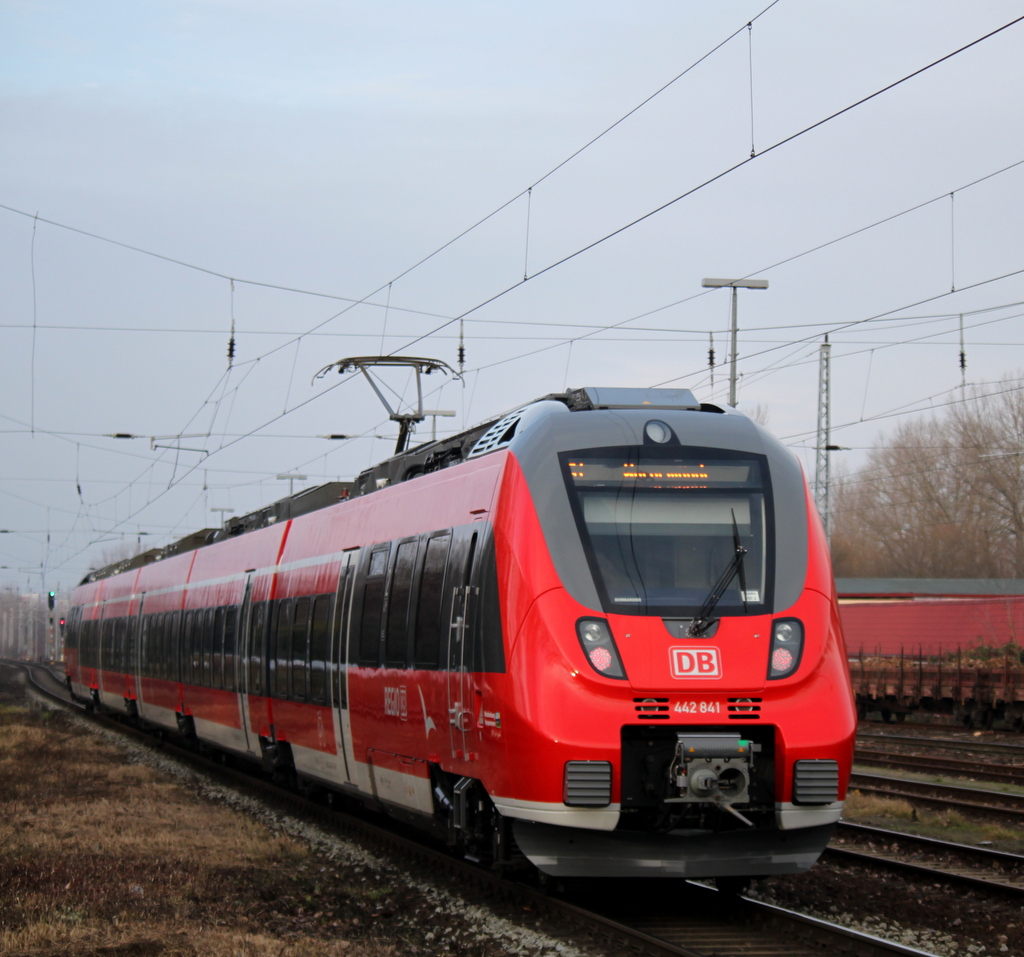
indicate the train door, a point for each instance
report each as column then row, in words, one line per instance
column 340, row 658
column 460, row 651
column 250, row 637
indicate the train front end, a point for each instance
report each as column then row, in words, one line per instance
column 682, row 700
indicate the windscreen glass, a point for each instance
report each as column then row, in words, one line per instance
column 660, row 529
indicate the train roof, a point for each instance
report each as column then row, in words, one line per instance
column 482, row 439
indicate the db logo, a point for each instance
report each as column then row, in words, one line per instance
column 695, row 663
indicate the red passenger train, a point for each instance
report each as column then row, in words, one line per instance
column 600, row 631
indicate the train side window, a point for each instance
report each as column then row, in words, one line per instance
column 373, row 606
column 207, row 646
column 197, row 647
column 428, row 609
column 396, row 641
column 128, row 663
column 273, row 616
column 102, row 643
column 107, row 644
column 151, row 641
column 146, row 659
column 174, row 656
column 127, row 646
column 155, row 627
column 230, row 638
column 257, row 627
column 158, row 646
column 281, row 661
column 300, row 643
column 149, row 644
column 188, row 664
column 319, row 648
column 218, row 648
column 166, row 650
column 163, row 644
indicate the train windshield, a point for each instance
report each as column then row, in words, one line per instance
column 659, row 528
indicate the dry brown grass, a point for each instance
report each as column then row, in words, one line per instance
column 871, row 805
column 99, row 858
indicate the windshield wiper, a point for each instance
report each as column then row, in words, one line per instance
column 703, row 620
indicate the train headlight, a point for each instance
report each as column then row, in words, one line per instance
column 786, row 647
column 657, row 431
column 596, row 639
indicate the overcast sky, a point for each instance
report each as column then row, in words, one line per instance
column 328, row 147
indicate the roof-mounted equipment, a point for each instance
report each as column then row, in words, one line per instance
column 580, row 400
column 406, row 420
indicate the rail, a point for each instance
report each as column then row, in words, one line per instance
column 717, row 924
column 978, row 868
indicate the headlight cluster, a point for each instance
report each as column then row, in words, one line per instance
column 599, row 647
column 786, row 647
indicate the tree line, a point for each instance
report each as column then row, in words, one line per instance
column 941, row 497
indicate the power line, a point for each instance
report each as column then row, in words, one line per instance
column 365, row 299
column 633, row 223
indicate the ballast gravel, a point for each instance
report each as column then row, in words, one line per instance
column 447, row 922
column 478, row 924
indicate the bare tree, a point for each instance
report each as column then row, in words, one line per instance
column 941, row 497
column 116, row 552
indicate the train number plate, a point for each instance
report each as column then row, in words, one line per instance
column 695, row 663
column 698, row 707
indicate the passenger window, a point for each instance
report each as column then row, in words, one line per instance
column 282, row 651
column 373, row 606
column 207, row 681
column 431, row 599
column 257, row 624
column 300, row 640
column 230, row 631
column 378, row 562
column 396, row 643
column 160, row 646
column 105, row 643
column 149, row 643
column 174, row 654
column 157, row 641
column 188, row 646
column 218, row 649
column 146, row 644
column 319, row 644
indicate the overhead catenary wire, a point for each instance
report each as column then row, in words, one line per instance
column 774, row 146
column 479, row 222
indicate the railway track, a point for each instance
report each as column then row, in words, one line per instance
column 662, row 918
column 945, row 744
column 976, row 801
column 978, row 770
column 979, row 868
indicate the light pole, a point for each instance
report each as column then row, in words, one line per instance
column 291, row 478
column 734, row 284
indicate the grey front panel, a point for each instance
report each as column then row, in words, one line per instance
column 574, row 852
column 551, row 428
